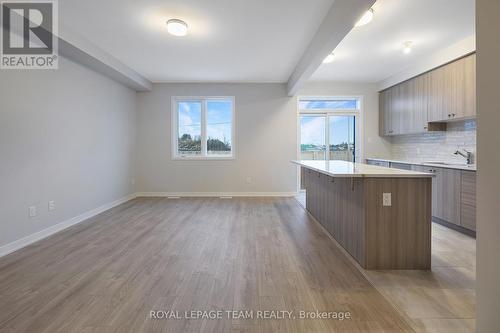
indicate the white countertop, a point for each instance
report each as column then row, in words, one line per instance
column 470, row 167
column 349, row 169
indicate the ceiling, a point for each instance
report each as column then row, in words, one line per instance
column 373, row 52
column 228, row 40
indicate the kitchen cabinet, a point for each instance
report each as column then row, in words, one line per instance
column 453, row 195
column 424, row 102
column 446, row 193
column 404, row 107
column 453, row 91
column 468, row 200
column 385, row 109
column 378, row 163
column 402, row 166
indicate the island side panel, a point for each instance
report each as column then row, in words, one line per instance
column 337, row 204
column 399, row 236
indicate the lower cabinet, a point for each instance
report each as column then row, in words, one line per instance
column 402, row 166
column 378, row 163
column 446, row 195
column 468, row 200
column 453, row 195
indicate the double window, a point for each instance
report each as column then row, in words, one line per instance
column 203, row 127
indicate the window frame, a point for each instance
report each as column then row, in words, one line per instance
column 175, row 128
column 358, row 113
column 359, row 119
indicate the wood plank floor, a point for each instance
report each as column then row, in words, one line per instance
column 442, row 300
column 107, row 274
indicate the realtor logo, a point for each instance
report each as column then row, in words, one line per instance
column 29, row 35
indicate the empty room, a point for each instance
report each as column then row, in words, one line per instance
column 249, row 166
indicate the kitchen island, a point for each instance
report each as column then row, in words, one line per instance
column 380, row 216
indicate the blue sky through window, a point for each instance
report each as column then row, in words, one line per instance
column 346, row 104
column 219, row 114
column 190, row 118
column 312, row 130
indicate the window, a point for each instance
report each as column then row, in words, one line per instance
column 203, row 127
column 330, row 128
column 329, row 104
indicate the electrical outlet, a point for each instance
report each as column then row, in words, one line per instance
column 386, row 199
column 32, row 211
column 52, row 205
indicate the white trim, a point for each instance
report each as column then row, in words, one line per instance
column 28, row 240
column 175, row 128
column 216, row 194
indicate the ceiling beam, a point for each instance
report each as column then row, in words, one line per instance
column 75, row 47
column 337, row 23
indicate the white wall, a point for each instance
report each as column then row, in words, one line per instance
column 266, row 138
column 455, row 51
column 65, row 135
column 373, row 144
column 488, row 187
column 265, row 141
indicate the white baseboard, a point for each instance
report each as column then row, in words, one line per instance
column 215, row 194
column 25, row 241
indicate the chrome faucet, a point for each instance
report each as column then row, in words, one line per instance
column 467, row 155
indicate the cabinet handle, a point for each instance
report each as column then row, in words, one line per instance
column 453, row 115
column 449, row 115
column 425, row 127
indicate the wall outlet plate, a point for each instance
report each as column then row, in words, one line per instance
column 386, row 199
column 32, row 211
column 52, row 205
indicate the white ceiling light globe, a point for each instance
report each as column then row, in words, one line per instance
column 177, row 27
column 366, row 18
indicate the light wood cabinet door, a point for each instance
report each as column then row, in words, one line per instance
column 438, row 94
column 467, row 88
column 385, row 110
column 405, row 107
column 419, row 94
column 446, row 190
column 452, row 93
column 468, row 200
column 384, row 124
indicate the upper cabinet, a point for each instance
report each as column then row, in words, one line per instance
column 421, row 104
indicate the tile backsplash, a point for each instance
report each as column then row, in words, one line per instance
column 437, row 146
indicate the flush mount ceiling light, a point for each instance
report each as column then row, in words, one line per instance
column 366, row 18
column 407, row 47
column 177, row 27
column 329, row 58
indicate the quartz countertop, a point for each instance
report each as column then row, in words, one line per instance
column 468, row 167
column 338, row 168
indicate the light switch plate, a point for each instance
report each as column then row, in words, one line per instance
column 52, row 205
column 386, row 199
